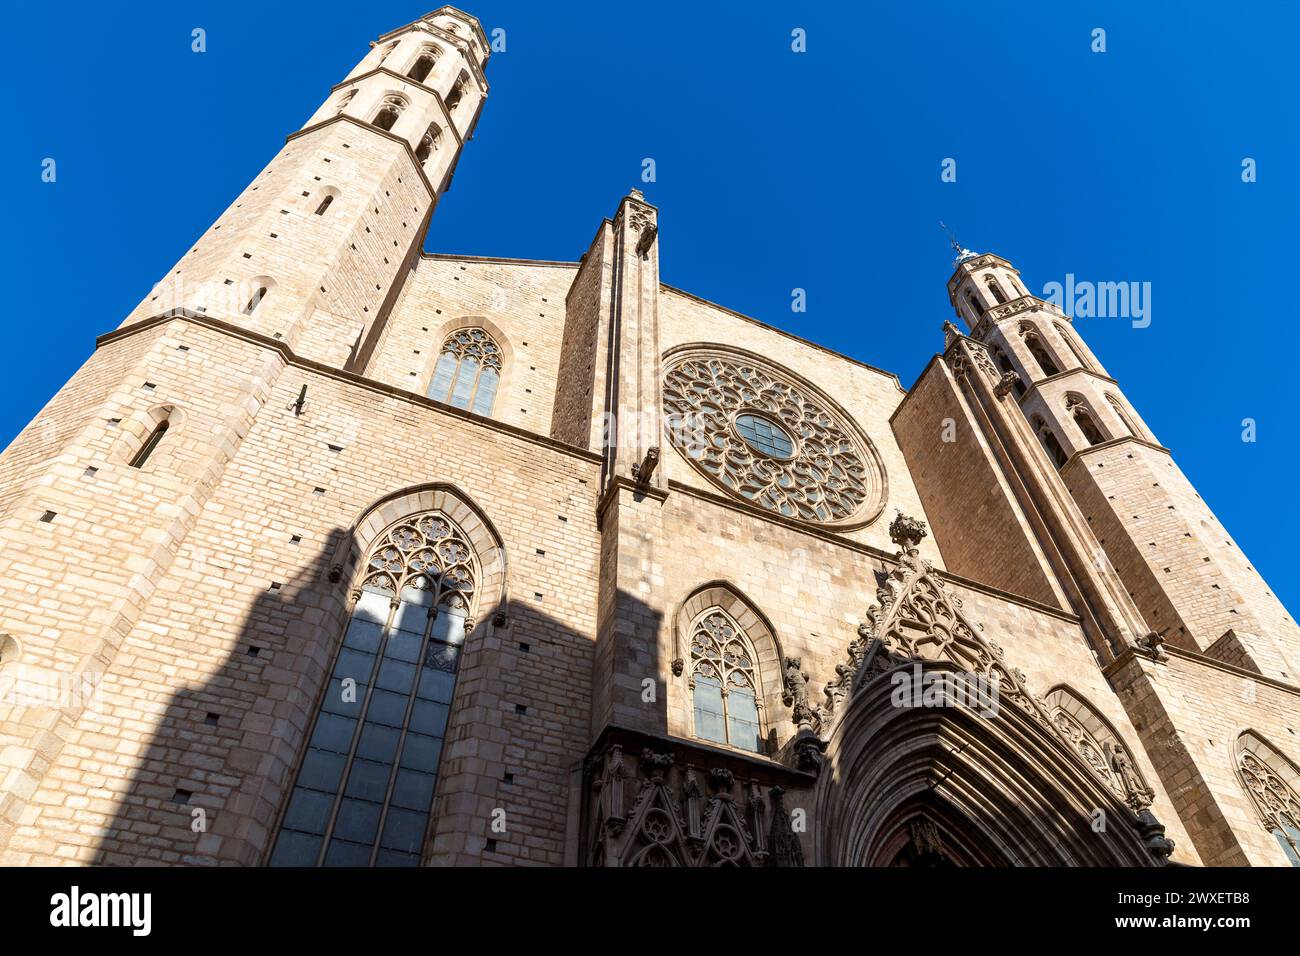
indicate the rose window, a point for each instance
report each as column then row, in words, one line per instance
column 778, row 444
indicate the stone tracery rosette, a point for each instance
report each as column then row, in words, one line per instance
column 762, row 434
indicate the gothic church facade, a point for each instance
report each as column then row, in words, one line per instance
column 336, row 552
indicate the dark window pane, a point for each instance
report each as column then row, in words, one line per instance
column 342, row 853
column 429, row 717
column 321, row 770
column 403, row 830
column 413, row 790
column 371, row 607
column 396, row 675
column 387, row 708
column 368, row 780
column 412, row 617
column 708, row 710
column 487, row 392
column 333, row 733
column 354, row 664
column 421, row 753
column 363, row 635
column 442, row 376
column 442, row 657
column 436, row 685
column 404, row 647
column 309, row 811
column 465, row 382
column 295, row 849
column 345, row 699
column 393, row 858
column 378, row 742
column 357, row 821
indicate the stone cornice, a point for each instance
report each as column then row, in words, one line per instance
column 744, row 764
column 1033, row 388
column 1195, row 657
column 888, row 557
column 1111, row 443
column 446, row 114
column 352, row 378
column 476, row 67
column 971, row 265
column 1007, row 310
column 506, row 260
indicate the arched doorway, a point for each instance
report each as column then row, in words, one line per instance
column 951, row 786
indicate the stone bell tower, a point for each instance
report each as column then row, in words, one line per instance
column 1180, row 567
column 313, row 250
column 116, row 469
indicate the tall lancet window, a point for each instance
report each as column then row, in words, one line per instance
column 1082, row 415
column 996, row 289
column 1271, row 780
column 389, row 111
column 1122, row 415
column 724, row 683
column 424, row 64
column 365, row 787
column 468, row 371
column 1039, row 350
column 1069, row 344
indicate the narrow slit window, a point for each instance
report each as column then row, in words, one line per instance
column 256, row 300
column 149, row 445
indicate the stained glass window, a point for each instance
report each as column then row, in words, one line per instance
column 764, row 435
column 365, row 789
column 724, row 683
column 1276, row 802
column 468, row 371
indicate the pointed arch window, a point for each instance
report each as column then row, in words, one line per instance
column 724, row 683
column 468, row 372
column 389, row 112
column 1271, row 781
column 348, row 97
column 1048, row 438
column 1004, row 363
column 1122, row 414
column 1069, row 344
column 1083, row 417
column 457, row 93
column 424, row 64
column 428, row 143
column 976, row 310
column 996, row 289
column 365, row 787
column 1039, row 350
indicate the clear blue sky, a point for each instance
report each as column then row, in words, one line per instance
column 775, row 170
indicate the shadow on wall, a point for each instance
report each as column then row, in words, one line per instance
column 496, row 724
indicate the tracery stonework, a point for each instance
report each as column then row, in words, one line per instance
column 266, row 531
column 778, row 444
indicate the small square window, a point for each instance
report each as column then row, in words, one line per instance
column 49, row 516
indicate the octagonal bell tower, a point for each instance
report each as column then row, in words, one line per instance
column 313, row 250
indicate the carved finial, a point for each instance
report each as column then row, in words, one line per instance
column 635, row 193
column 906, row 532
